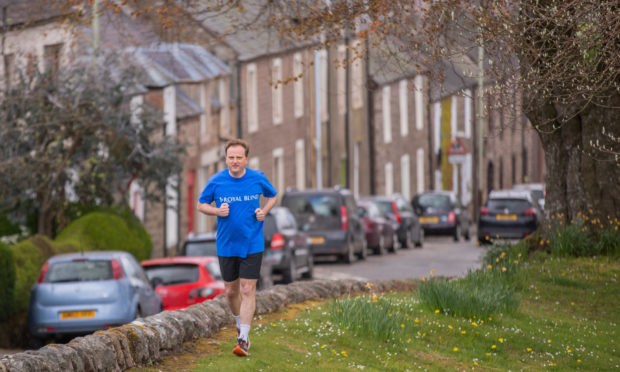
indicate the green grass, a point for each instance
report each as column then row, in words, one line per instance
column 566, row 320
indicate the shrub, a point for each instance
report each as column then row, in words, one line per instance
column 608, row 242
column 479, row 295
column 572, row 240
column 7, row 281
column 108, row 231
column 372, row 316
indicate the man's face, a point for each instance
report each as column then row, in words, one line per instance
column 236, row 159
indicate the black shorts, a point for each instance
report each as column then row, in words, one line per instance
column 233, row 268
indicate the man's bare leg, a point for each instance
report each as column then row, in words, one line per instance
column 233, row 296
column 248, row 300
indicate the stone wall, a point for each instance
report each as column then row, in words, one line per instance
column 149, row 339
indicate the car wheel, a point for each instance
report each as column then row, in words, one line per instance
column 264, row 282
column 408, row 243
column 381, row 248
column 468, row 233
column 310, row 273
column 290, row 275
column 457, row 232
column 364, row 253
column 349, row 256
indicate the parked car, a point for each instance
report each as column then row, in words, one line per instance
column 441, row 213
column 79, row 293
column 380, row 232
column 539, row 190
column 508, row 214
column 409, row 230
column 289, row 251
column 184, row 281
column 204, row 245
column 334, row 226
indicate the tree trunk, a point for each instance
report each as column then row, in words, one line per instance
column 580, row 179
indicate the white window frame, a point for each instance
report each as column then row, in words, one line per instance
column 387, row 114
column 403, row 100
column 419, row 101
column 300, row 164
column 454, row 104
column 324, row 87
column 252, row 97
column 437, row 125
column 298, row 85
column 469, row 102
column 341, row 79
column 202, row 218
column 224, row 111
column 254, row 163
column 172, row 212
column 420, row 170
column 405, row 176
column 170, row 110
column 389, row 179
column 278, row 168
column 276, row 91
column 357, row 91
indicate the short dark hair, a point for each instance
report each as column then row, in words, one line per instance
column 238, row 142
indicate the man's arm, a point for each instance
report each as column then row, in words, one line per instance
column 212, row 210
column 262, row 212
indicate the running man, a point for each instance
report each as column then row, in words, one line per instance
column 236, row 192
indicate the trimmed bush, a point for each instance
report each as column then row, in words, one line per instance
column 98, row 231
column 7, row 281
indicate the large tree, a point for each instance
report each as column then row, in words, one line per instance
column 74, row 135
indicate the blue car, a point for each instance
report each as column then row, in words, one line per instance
column 79, row 293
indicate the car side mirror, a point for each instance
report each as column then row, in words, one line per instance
column 156, row 282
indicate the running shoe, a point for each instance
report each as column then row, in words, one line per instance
column 242, row 347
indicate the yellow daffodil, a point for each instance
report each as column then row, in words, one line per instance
column 501, row 339
column 529, row 349
column 436, row 311
column 493, row 346
column 456, row 348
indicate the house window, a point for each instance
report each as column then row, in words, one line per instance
column 420, row 169
column 405, row 176
column 300, row 164
column 51, row 57
column 513, row 169
column 357, row 84
column 253, row 163
column 278, row 169
column 298, row 85
column 389, row 179
column 403, row 100
column 323, row 84
column 252, row 95
column 341, row 77
column 387, row 115
column 276, row 91
column 419, row 102
column 224, row 111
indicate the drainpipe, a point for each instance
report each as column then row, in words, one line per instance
column 371, row 122
column 480, row 105
column 317, row 120
column 238, row 99
column 347, row 92
column 431, row 171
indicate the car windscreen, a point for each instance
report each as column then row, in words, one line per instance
column 79, row 271
column 171, row 274
column 385, row 206
column 200, row 248
column 539, row 194
column 213, row 268
column 510, row 205
column 320, row 212
column 433, row 201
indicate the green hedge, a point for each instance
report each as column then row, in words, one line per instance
column 7, row 281
column 108, row 231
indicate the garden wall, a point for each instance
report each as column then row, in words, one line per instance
column 149, row 339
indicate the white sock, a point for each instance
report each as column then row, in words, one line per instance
column 244, row 330
column 237, row 320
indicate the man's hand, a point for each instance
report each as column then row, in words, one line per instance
column 260, row 215
column 223, row 210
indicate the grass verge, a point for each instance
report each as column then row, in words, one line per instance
column 566, row 320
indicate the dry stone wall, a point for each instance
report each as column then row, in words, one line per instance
column 149, row 339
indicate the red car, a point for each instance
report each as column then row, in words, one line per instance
column 184, row 281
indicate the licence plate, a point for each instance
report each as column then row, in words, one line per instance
column 429, row 219
column 77, row 314
column 506, row 217
column 317, row 240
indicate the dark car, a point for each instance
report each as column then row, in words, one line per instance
column 79, row 293
column 508, row 214
column 204, row 245
column 441, row 213
column 332, row 221
column 409, row 230
column 289, row 251
column 380, row 232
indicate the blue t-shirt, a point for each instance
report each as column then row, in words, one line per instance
column 240, row 233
